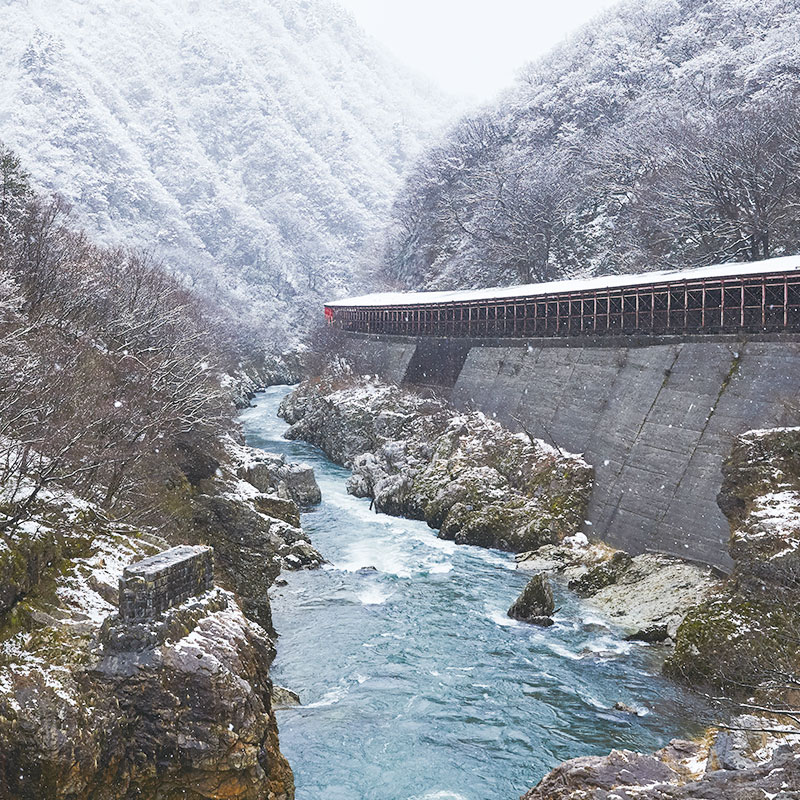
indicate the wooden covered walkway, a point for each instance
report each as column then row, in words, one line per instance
column 730, row 298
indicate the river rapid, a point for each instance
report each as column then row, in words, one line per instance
column 416, row 685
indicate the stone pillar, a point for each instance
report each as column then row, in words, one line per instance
column 150, row 587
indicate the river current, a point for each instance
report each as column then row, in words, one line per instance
column 415, row 684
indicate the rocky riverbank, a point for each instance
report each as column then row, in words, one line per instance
column 740, row 639
column 739, row 765
column 183, row 712
column 464, row 474
column 646, row 596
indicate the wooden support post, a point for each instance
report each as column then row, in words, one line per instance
column 741, row 311
column 652, row 308
column 669, row 305
column 703, row 306
column 685, row 306
column 785, row 301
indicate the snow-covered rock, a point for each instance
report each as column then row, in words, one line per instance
column 94, row 707
column 638, row 594
column 464, row 474
column 681, row 771
column 746, row 638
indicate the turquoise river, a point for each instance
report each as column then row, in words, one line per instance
column 416, row 685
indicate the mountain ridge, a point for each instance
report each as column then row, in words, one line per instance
column 254, row 148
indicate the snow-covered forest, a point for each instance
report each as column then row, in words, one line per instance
column 255, row 147
column 664, row 134
column 109, row 368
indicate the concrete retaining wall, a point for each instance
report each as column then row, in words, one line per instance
column 656, row 420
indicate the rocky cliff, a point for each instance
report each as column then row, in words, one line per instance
column 463, row 473
column 178, row 707
column 746, row 639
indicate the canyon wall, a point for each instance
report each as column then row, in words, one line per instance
column 655, row 417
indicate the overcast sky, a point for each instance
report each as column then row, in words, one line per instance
column 472, row 47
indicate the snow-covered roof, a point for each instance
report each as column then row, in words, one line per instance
column 730, row 269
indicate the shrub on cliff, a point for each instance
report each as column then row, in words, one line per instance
column 110, row 369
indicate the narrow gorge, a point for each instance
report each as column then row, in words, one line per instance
column 605, row 615
column 414, row 681
column 399, row 400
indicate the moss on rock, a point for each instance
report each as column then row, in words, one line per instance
column 465, row 475
column 746, row 640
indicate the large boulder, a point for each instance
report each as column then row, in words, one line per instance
column 648, row 599
column 536, row 603
column 599, row 776
column 278, row 507
column 272, row 474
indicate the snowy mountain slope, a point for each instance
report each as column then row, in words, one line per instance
column 253, row 144
column 662, row 135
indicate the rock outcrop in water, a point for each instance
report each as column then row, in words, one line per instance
column 464, row 474
column 271, row 474
column 646, row 596
column 535, row 604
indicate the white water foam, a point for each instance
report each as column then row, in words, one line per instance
column 385, row 557
column 430, row 539
column 441, row 795
column 593, row 701
column 589, row 619
column 562, row 651
column 502, row 619
column 330, row 697
column 373, row 596
column 609, row 645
